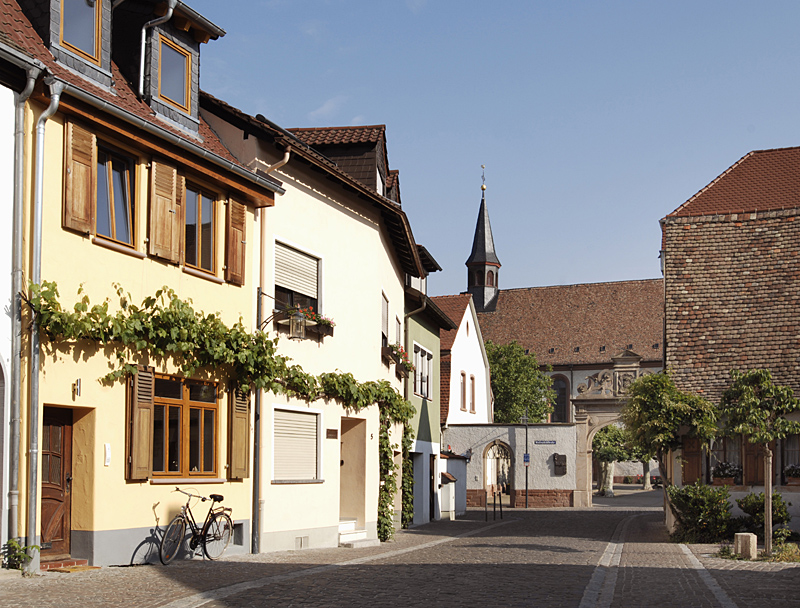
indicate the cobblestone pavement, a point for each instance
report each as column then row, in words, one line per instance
column 609, row 556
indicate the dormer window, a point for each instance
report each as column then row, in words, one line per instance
column 80, row 28
column 173, row 74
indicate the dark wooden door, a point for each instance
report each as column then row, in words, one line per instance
column 754, row 463
column 692, row 460
column 56, row 481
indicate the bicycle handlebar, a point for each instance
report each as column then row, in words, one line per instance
column 202, row 498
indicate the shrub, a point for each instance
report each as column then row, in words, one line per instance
column 703, row 513
column 753, row 505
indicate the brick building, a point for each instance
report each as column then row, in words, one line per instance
column 731, row 259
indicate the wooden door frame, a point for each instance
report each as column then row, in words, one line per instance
column 65, row 416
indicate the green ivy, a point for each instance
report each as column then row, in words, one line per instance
column 408, row 477
column 166, row 327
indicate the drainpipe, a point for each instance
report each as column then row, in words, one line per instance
column 170, row 7
column 258, row 498
column 56, row 88
column 16, row 300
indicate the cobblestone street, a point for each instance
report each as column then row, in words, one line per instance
column 615, row 554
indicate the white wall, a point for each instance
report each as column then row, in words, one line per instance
column 467, row 355
column 422, row 451
column 6, row 211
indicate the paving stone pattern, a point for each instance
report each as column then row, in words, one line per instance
column 608, row 556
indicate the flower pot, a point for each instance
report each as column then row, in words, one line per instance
column 722, row 481
column 793, row 481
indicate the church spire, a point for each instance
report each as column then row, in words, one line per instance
column 483, row 264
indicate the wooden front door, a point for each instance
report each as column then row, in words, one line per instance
column 56, row 482
column 692, row 460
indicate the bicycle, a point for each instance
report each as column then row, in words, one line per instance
column 214, row 535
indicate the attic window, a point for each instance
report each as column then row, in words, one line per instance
column 173, row 74
column 80, row 27
column 629, row 347
column 577, row 349
column 551, row 350
column 655, row 346
column 602, row 349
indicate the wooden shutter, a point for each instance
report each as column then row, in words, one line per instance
column 239, row 435
column 295, row 446
column 692, row 460
column 296, row 271
column 140, row 447
column 166, row 211
column 235, row 243
column 79, row 180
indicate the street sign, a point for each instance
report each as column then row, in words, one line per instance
column 544, row 442
column 527, row 460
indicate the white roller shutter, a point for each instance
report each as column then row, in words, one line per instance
column 296, row 270
column 295, row 445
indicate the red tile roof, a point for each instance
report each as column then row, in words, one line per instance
column 319, row 136
column 763, row 180
column 17, row 31
column 582, row 324
column 444, row 388
column 454, row 307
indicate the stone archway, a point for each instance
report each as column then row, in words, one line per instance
column 598, row 404
column 498, row 469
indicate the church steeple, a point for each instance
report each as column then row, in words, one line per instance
column 483, row 264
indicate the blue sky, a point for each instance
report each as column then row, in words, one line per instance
column 594, row 119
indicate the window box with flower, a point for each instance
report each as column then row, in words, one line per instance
column 314, row 322
column 726, row 474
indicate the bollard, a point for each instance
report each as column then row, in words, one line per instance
column 501, row 504
column 744, row 544
column 494, row 506
column 486, row 505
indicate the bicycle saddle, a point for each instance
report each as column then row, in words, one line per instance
column 216, row 497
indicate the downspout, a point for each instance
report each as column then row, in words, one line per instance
column 258, row 498
column 170, row 7
column 56, row 88
column 16, row 299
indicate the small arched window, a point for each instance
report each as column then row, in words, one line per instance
column 490, row 278
column 561, row 403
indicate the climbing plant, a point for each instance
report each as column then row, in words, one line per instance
column 408, row 477
column 164, row 327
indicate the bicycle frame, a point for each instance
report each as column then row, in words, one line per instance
column 186, row 511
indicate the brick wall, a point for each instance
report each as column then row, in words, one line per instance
column 732, row 298
column 476, row 498
column 543, row 498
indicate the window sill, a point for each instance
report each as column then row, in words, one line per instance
column 203, row 275
column 165, row 481
column 118, row 248
column 281, row 482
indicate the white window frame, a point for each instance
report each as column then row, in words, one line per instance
column 423, row 363
column 300, row 410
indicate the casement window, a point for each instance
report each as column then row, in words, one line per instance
column 174, row 74
column 384, row 320
column 80, row 27
column 296, row 445
column 423, row 362
column 99, row 195
column 725, row 449
column 472, row 394
column 199, row 246
column 791, row 450
column 115, row 199
column 296, row 278
column 463, row 391
column 173, row 428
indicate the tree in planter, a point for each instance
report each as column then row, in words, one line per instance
column 658, row 415
column 517, row 382
column 609, row 445
column 755, row 407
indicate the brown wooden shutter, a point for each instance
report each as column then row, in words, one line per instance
column 79, row 179
column 140, row 456
column 692, row 460
column 166, row 212
column 239, row 434
column 235, row 246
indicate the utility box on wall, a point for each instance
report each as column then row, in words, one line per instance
column 560, row 464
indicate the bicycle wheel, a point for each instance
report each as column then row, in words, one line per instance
column 172, row 540
column 217, row 535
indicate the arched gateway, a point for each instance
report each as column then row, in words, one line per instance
column 598, row 404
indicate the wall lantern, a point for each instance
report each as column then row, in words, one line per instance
column 297, row 326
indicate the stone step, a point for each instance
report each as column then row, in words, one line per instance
column 347, row 525
column 360, row 544
column 352, row 535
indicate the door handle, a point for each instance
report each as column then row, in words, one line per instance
column 68, row 486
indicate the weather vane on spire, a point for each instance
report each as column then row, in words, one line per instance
column 483, row 177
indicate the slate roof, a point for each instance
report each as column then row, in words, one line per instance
column 762, row 180
column 322, row 136
column 454, row 307
column 17, row 31
column 586, row 323
column 483, row 244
